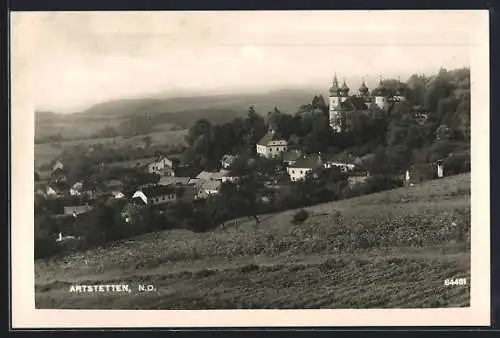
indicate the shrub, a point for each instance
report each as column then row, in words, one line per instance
column 300, row 216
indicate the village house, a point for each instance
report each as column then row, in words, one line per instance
column 344, row 162
column 161, row 166
column 172, row 180
column 302, row 166
column 77, row 210
column 419, row 173
column 155, row 195
column 208, row 188
column 271, row 145
column 212, row 175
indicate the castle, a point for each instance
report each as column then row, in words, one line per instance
column 342, row 104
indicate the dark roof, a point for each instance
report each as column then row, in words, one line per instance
column 334, row 89
column 168, row 180
column 158, row 190
column 307, row 162
column 291, row 155
column 363, row 89
column 353, row 103
column 264, row 141
column 380, row 90
column 344, row 88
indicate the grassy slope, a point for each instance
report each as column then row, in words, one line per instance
column 278, row 265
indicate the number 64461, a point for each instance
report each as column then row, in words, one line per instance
column 455, row 281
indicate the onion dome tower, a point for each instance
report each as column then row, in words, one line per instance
column 400, row 91
column 363, row 90
column 344, row 92
column 381, row 93
column 334, row 92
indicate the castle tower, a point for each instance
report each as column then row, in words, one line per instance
column 363, row 90
column 344, row 92
column 334, row 102
column 400, row 92
column 381, row 96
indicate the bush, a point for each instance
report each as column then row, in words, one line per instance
column 300, row 216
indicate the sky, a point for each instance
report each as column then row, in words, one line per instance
column 76, row 59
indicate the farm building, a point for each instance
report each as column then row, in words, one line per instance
column 271, row 145
column 208, row 188
column 155, row 195
column 169, row 180
column 344, row 162
column 419, row 173
column 161, row 166
column 212, row 175
column 302, row 166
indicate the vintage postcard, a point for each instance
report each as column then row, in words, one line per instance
column 333, row 164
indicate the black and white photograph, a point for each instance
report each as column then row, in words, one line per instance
column 254, row 160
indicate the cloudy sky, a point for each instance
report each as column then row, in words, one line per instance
column 75, row 59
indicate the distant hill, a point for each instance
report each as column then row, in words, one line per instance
column 181, row 112
column 287, row 100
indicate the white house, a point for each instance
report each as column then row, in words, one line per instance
column 161, row 166
column 208, row 188
column 344, row 167
column 302, row 166
column 271, row 145
column 156, row 195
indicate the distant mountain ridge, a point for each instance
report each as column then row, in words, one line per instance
column 287, row 100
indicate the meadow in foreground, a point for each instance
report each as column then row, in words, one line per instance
column 390, row 249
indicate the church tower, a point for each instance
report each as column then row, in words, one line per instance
column 344, row 92
column 400, row 92
column 334, row 102
column 363, row 91
column 380, row 93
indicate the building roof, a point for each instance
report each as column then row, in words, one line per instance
column 380, row 90
column 266, row 139
column 168, row 180
column 211, row 185
column 216, row 175
column 334, row 89
column 292, row 155
column 363, row 89
column 158, row 190
column 307, row 162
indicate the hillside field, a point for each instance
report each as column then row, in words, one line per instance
column 46, row 152
column 392, row 249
